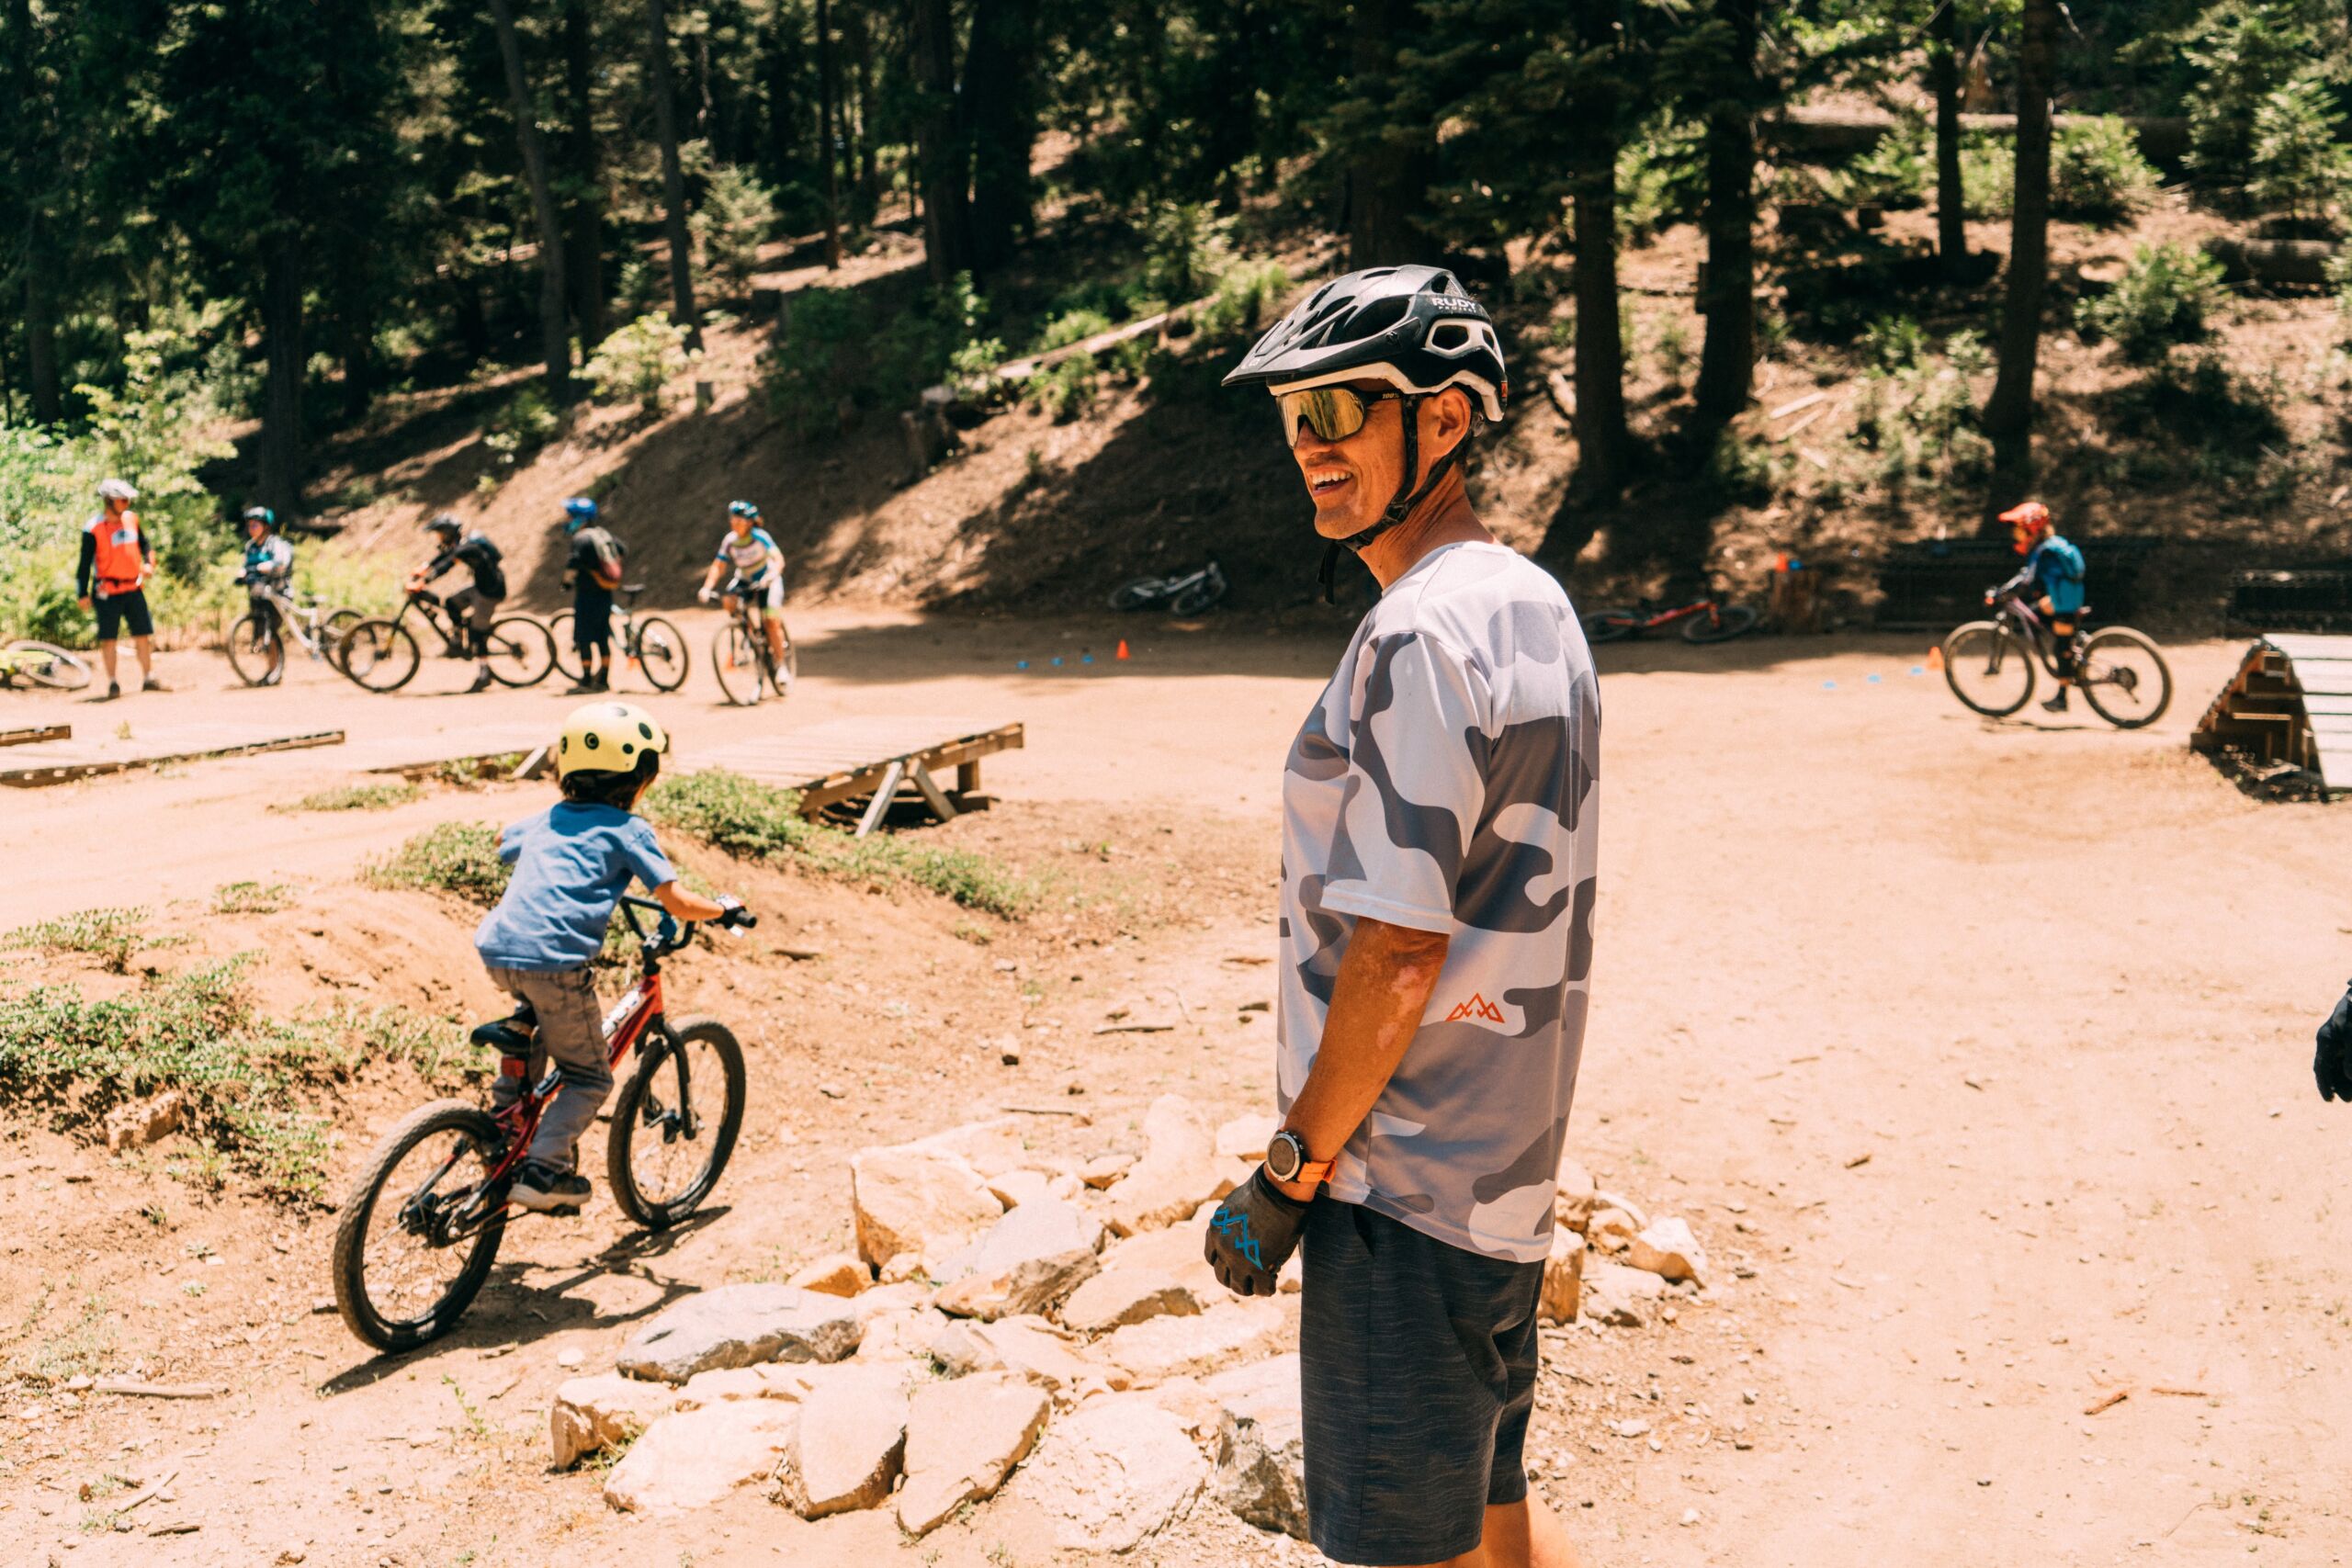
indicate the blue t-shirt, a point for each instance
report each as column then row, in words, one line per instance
column 572, row 862
column 2057, row 567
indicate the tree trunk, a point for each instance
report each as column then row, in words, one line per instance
column 1387, row 180
column 584, row 236
column 673, row 176
column 869, row 184
column 554, row 340
column 2008, row 412
column 357, row 332
column 1603, row 443
column 1728, row 358
column 946, row 216
column 826, row 137
column 41, row 294
column 1943, row 74
column 279, row 451
column 1003, row 122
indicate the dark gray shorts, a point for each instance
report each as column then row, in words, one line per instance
column 1417, row 1374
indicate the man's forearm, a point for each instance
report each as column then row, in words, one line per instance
column 1385, row 979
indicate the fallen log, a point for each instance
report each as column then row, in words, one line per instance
column 2300, row 262
column 1830, row 137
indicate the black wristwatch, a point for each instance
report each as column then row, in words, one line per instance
column 1286, row 1161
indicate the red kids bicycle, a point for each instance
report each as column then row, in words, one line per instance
column 1704, row 620
column 423, row 1222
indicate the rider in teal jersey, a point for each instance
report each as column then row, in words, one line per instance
column 753, row 568
column 2054, row 566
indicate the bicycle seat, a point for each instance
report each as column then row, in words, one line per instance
column 510, row 1036
column 632, row 589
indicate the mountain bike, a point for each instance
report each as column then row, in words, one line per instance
column 1989, row 665
column 746, row 666
column 422, row 1223
column 649, row 644
column 1703, row 620
column 1186, row 594
column 41, row 664
column 315, row 629
column 382, row 655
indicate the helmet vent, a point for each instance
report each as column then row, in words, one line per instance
column 1451, row 336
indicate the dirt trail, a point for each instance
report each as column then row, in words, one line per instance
column 1983, row 1047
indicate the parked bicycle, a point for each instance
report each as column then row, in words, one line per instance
column 1186, row 594
column 747, row 667
column 1989, row 665
column 423, row 1222
column 649, row 644
column 41, row 664
column 381, row 653
column 1703, row 620
column 306, row 622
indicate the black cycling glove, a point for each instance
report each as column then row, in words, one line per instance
column 1253, row 1234
column 2332, row 1063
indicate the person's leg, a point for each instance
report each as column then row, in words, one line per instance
column 1524, row 1534
column 143, row 638
column 571, row 1031
column 477, row 635
column 105, row 657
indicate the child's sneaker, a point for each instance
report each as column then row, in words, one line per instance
column 2056, row 704
column 544, row 1189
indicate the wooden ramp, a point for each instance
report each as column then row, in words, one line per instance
column 34, row 733
column 2290, row 702
column 848, row 759
column 62, row 761
column 470, row 747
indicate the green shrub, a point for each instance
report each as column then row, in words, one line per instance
column 2096, row 174
column 251, row 897
column 2301, row 170
column 1893, row 342
column 972, row 371
column 1064, row 389
column 1244, row 296
column 2163, row 298
column 524, row 424
column 1661, row 175
column 837, row 352
column 453, row 857
column 1185, row 251
column 1988, row 176
column 2242, row 51
column 357, row 797
column 1075, row 327
column 639, row 361
column 110, row 936
column 1918, row 419
column 730, row 812
column 1897, row 172
column 737, row 215
column 2197, row 416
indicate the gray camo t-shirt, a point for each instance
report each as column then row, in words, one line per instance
column 1444, row 781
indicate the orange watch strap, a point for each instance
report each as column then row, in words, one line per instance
column 1313, row 1173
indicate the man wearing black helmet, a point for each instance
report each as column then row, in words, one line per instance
column 1439, row 859
column 472, row 607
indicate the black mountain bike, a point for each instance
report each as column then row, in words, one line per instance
column 747, row 668
column 647, row 644
column 1989, row 665
column 1185, row 594
column 382, row 654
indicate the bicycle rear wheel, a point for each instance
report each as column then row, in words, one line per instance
column 2124, row 678
column 46, row 664
column 674, row 1123
column 333, row 631
column 567, row 657
column 251, row 642
column 660, row 654
column 380, row 655
column 1728, row 622
column 1611, row 625
column 521, row 650
column 1988, row 668
column 418, row 1232
column 741, row 665
column 1135, row 595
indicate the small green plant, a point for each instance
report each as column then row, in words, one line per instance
column 1185, row 251
column 452, row 857
column 251, row 897
column 357, row 797
column 1968, row 354
column 1244, row 295
column 1893, row 342
column 1988, row 176
column 1743, row 467
column 110, row 936
column 1661, row 175
column 1895, row 171
column 737, row 215
column 525, row 423
column 972, row 371
column 2164, row 298
column 2300, row 168
column 2096, row 174
column 1672, row 346
column 1064, row 389
column 639, row 361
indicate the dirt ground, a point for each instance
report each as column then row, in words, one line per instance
column 1976, row 1054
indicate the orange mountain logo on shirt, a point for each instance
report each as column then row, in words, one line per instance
column 1478, row 1008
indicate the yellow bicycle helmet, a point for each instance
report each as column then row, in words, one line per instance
column 607, row 738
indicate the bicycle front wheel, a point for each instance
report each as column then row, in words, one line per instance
column 660, row 654
column 420, row 1230
column 380, row 655
column 1611, row 625
column 46, row 664
column 674, row 1123
column 251, row 642
column 2124, row 678
column 567, row 657
column 333, row 631
column 740, row 664
column 1728, row 622
column 522, row 651
column 1988, row 668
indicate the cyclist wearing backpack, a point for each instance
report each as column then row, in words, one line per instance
column 2054, row 566
column 474, row 606
column 594, row 568
column 267, row 574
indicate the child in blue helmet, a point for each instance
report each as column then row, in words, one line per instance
column 594, row 570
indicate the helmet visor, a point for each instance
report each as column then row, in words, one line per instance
column 1332, row 412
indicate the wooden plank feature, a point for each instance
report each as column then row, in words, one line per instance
column 34, row 734
column 852, row 759
column 42, row 763
column 472, row 746
column 2290, row 702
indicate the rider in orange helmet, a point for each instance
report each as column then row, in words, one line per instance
column 2053, row 566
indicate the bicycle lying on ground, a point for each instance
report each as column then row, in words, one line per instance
column 381, row 653
column 1186, row 594
column 423, row 1221
column 649, row 644
column 41, row 664
column 1704, row 620
column 315, row 629
column 746, row 666
column 1989, row 665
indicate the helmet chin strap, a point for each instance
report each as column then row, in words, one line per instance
column 1401, row 506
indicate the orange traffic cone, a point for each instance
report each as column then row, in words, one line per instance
column 1936, row 658
column 1123, row 648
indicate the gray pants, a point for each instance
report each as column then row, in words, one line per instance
column 572, row 1034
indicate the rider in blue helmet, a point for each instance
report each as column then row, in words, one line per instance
column 594, row 567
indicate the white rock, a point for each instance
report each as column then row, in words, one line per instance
column 593, row 1413
column 960, row 1351
column 901, row 1336
column 903, row 1268
column 740, row 1325
column 962, row 1438
column 882, row 1301
column 1032, row 1347
column 840, row 1274
column 1116, row 1297
column 1162, row 1348
column 1563, row 1278
column 1667, row 1248
column 1014, row 1188
column 1618, row 1296
column 990, row 1147
column 1262, row 1445
column 696, row 1457
column 852, row 1437
column 1114, row 1474
column 1178, row 1170
column 911, row 1198
column 1103, row 1169
column 743, row 1382
column 1176, row 1252
column 1246, row 1138
column 1572, row 1201
column 1028, row 1261
column 1604, row 1199
column 1610, row 1229
column 1065, row 1187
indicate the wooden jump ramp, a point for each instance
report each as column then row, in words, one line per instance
column 2290, row 704
column 62, row 759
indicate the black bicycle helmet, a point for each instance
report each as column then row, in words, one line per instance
column 1413, row 327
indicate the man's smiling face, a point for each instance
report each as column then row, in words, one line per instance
column 1353, row 479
